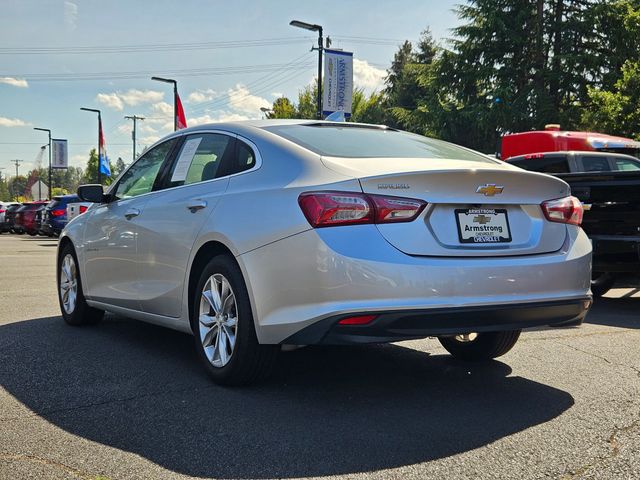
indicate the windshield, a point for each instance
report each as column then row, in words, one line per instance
column 363, row 142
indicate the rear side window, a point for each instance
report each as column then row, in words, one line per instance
column 544, row 165
column 362, row 142
column 200, row 158
column 244, row 158
column 595, row 164
column 625, row 164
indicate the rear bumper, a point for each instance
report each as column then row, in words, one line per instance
column 325, row 273
column 405, row 325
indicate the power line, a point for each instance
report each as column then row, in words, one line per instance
column 158, row 47
column 214, row 71
column 171, row 47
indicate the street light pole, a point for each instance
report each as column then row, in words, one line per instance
column 133, row 133
column 314, row 28
column 50, row 181
column 175, row 98
column 95, row 110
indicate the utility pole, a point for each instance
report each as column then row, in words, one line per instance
column 133, row 132
column 17, row 163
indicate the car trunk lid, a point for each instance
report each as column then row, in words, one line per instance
column 467, row 202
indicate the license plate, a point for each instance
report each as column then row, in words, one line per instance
column 483, row 225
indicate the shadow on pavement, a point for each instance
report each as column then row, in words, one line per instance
column 139, row 388
column 621, row 312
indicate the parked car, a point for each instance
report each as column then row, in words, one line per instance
column 4, row 224
column 27, row 217
column 54, row 216
column 612, row 222
column 574, row 162
column 75, row 209
column 252, row 235
column 10, row 217
column 612, row 206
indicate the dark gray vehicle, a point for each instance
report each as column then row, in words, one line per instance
column 576, row 162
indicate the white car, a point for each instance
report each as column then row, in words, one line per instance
column 256, row 234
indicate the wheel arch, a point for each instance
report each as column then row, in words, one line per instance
column 206, row 252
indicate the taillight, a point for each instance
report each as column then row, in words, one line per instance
column 83, row 208
column 2, row 211
column 359, row 320
column 326, row 209
column 58, row 212
column 563, row 210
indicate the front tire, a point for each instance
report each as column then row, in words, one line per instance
column 223, row 326
column 479, row 347
column 74, row 307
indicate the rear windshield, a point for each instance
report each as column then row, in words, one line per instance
column 53, row 203
column 362, row 142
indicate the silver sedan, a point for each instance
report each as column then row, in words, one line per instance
column 259, row 234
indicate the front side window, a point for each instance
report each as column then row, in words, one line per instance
column 139, row 179
column 199, row 158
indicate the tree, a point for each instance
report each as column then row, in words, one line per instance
column 367, row 109
column 617, row 111
column 5, row 195
column 119, row 168
column 17, row 186
column 282, row 108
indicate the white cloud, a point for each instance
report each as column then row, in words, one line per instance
column 162, row 108
column 14, row 82
column 221, row 116
column 243, row 101
column 70, row 15
column 13, row 122
column 148, row 140
column 111, row 100
column 367, row 76
column 133, row 97
column 124, row 128
column 199, row 96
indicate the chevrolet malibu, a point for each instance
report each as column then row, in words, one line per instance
column 254, row 235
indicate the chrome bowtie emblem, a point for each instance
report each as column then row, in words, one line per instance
column 490, row 189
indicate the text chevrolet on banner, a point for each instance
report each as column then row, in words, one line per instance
column 338, row 82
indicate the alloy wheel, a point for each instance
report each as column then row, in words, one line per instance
column 68, row 283
column 218, row 320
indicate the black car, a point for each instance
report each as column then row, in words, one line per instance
column 10, row 218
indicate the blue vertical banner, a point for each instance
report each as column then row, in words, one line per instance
column 337, row 93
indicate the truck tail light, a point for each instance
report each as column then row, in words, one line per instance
column 83, row 208
column 327, row 209
column 563, row 210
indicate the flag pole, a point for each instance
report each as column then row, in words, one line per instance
column 99, row 148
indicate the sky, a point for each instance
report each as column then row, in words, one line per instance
column 229, row 57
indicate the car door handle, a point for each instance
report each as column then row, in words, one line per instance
column 197, row 205
column 132, row 212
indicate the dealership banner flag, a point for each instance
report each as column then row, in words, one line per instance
column 181, row 120
column 59, row 155
column 105, row 169
column 338, row 82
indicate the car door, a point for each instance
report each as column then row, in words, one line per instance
column 173, row 218
column 111, row 233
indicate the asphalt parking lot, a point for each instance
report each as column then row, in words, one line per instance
column 127, row 400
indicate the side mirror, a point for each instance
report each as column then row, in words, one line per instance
column 91, row 193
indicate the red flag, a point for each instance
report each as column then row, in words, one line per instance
column 181, row 121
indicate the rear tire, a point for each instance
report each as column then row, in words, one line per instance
column 223, row 326
column 74, row 307
column 483, row 347
column 601, row 283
